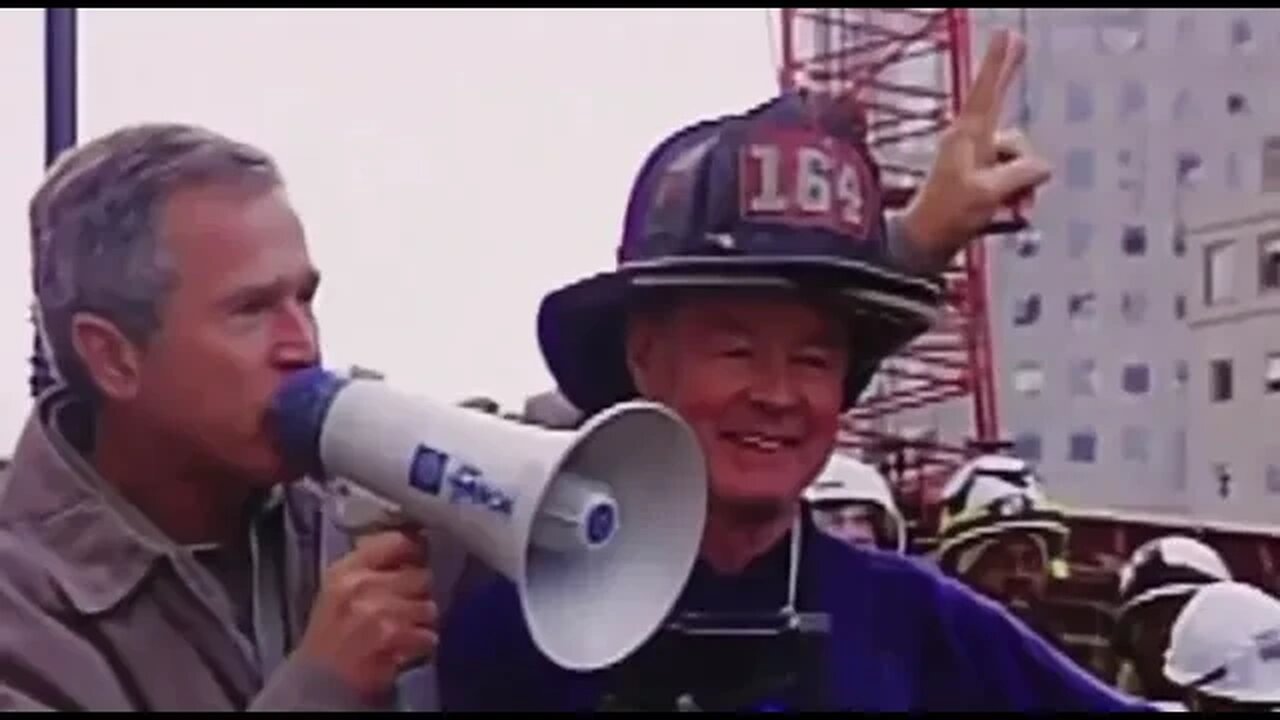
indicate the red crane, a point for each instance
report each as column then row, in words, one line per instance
column 908, row 69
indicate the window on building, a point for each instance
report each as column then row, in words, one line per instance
column 1028, row 378
column 1269, row 262
column 1132, row 104
column 1179, row 238
column 1022, row 115
column 1122, row 32
column 1134, row 444
column 1135, row 378
column 1133, row 306
column 1081, row 306
column 1221, row 380
column 1027, row 243
column 1134, row 240
column 1181, row 374
column 1079, row 102
column 1026, row 311
column 1179, row 306
column 1083, row 447
column 1072, row 39
column 1023, row 244
column 1079, row 237
column 1273, row 479
column 1271, row 164
column 1237, row 104
column 1028, row 446
column 1178, row 460
column 1231, row 170
column 1271, row 372
column 1219, row 266
column 1241, row 35
column 1183, row 106
column 1186, row 30
column 1178, row 476
column 1083, row 378
column 1130, row 174
column 1190, row 168
column 1079, row 170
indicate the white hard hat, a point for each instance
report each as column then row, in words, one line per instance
column 1226, row 643
column 992, row 495
column 845, row 479
column 987, row 478
column 1168, row 566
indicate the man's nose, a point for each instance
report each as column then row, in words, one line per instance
column 1028, row 569
column 296, row 342
column 772, row 385
column 1018, row 585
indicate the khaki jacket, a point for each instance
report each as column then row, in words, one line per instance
column 98, row 611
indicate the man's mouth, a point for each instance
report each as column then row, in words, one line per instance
column 761, row 442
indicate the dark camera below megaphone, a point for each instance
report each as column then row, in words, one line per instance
column 718, row 662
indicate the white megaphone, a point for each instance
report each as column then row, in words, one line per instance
column 598, row 528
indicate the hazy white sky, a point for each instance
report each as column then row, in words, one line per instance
column 451, row 166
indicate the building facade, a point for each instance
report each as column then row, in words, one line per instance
column 1143, row 113
column 1234, row 392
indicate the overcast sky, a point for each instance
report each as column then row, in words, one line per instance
column 450, row 166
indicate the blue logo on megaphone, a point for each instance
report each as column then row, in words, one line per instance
column 437, row 473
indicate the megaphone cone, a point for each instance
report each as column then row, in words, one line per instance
column 598, row 528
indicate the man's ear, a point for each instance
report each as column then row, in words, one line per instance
column 643, row 350
column 110, row 359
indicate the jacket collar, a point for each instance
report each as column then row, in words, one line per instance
column 103, row 547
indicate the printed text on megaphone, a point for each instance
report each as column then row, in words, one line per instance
column 437, row 473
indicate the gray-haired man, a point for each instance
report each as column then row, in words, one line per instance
column 155, row 551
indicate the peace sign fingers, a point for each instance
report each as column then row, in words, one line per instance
column 980, row 114
column 977, row 170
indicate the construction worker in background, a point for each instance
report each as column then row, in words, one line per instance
column 486, row 405
column 1000, row 536
column 759, row 287
column 1155, row 584
column 1224, row 650
column 852, row 502
column 548, row 410
column 551, row 409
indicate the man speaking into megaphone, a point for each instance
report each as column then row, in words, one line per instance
column 759, row 286
column 157, row 552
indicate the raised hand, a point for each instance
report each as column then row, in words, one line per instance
column 979, row 169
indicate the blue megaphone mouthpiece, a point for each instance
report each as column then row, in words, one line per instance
column 298, row 412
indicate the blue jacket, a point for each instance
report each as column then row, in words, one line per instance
column 903, row 637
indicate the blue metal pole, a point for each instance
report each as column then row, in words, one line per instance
column 60, row 95
column 59, row 81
